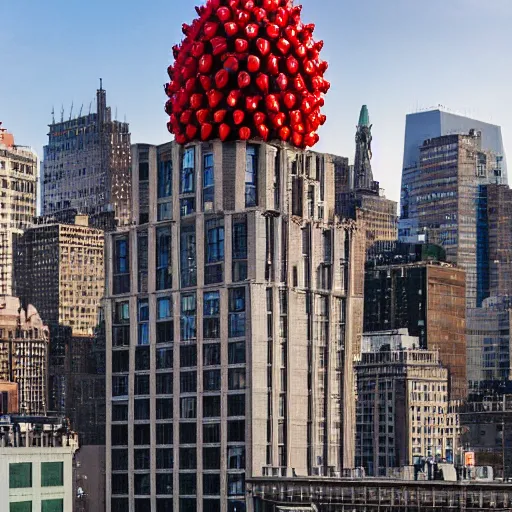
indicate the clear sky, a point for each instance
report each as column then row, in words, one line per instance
column 397, row 56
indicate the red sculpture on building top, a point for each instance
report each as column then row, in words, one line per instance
column 247, row 69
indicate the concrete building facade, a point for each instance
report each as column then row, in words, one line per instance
column 36, row 464
column 406, row 287
column 60, row 270
column 233, row 306
column 403, row 408
column 24, row 341
column 18, row 175
column 87, row 165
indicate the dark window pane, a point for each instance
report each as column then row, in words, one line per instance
column 142, row 384
column 142, row 358
column 141, row 458
column 164, row 433
column 119, row 504
column 142, row 505
column 164, row 458
column 211, row 354
column 20, row 475
column 141, row 435
column 165, row 332
column 188, row 458
column 211, row 406
column 188, row 382
column 120, row 483
column 120, row 361
column 211, row 433
column 164, row 383
column 188, row 356
column 188, row 407
column 119, row 435
column 211, row 458
column 164, row 483
column 236, row 484
column 188, row 483
column 236, row 353
column 236, row 431
column 164, row 505
column 164, row 408
column 211, row 484
column 236, row 405
column 188, row 434
column 211, row 380
column 236, row 457
column 141, row 409
column 119, row 459
column 164, row 358
column 236, row 378
column 210, row 505
column 187, row 504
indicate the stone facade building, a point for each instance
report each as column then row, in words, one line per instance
column 403, row 407
column 24, row 341
column 18, row 181
column 234, row 303
column 87, row 165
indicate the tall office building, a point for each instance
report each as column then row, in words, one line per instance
column 233, row 304
column 444, row 198
column 18, row 175
column 24, row 343
column 403, row 408
column 358, row 196
column 407, row 287
column 432, row 124
column 87, row 165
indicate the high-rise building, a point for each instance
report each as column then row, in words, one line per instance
column 59, row 269
column 444, row 196
column 24, row 343
column 87, row 165
column 358, row 196
column 488, row 346
column 403, row 409
column 407, row 287
column 233, row 304
column 8, row 398
column 18, row 175
column 36, row 464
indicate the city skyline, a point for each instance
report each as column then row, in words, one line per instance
column 366, row 36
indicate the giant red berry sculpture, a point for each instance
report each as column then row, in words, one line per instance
column 247, row 69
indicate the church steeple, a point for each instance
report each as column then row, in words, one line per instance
column 363, row 176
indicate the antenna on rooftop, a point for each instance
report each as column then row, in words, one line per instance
column 71, row 111
column 53, row 115
column 115, row 116
column 80, row 114
column 90, row 106
column 62, row 113
column 101, row 84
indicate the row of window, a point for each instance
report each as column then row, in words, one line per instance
column 188, row 459
column 187, row 433
column 187, row 485
column 20, row 474
column 55, row 505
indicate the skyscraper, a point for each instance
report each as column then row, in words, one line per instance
column 358, row 196
column 87, row 165
column 445, row 198
column 18, row 174
column 432, row 124
column 233, row 305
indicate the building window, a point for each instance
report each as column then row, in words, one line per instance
column 211, row 485
column 188, row 356
column 236, row 405
column 236, row 484
column 236, row 353
column 236, row 457
column 188, row 407
column 188, row 256
column 142, row 262
column 163, row 258
column 239, row 251
column 236, row 378
column 211, row 354
column 141, row 458
column 119, row 435
column 187, row 206
column 141, row 435
column 188, row 484
column 188, row 317
column 164, row 484
column 143, row 171
column 211, row 315
column 143, row 319
column 164, row 383
column 142, row 358
column 164, row 433
column 120, row 385
column 211, row 458
column 188, row 434
column 141, row 409
column 214, row 242
column 188, row 382
column 211, row 505
column 141, row 385
column 187, row 181
column 120, row 361
column 208, row 183
column 20, row 475
column 120, row 483
column 211, row 433
column 211, row 380
column 20, row 506
column 164, row 178
column 165, row 323
column 211, row 406
column 52, row 474
column 188, row 458
column 164, row 409
column 142, row 505
column 121, row 327
column 236, row 317
column 142, row 484
column 251, row 176
column 120, row 411
column 120, row 460
column 164, row 358
column 163, row 504
column 121, row 266
column 164, row 458
column 56, row 505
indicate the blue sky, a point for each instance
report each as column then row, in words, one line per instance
column 396, row 56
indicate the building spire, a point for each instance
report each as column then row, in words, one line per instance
column 364, row 117
column 363, row 176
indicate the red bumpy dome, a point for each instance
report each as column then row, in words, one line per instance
column 247, row 69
